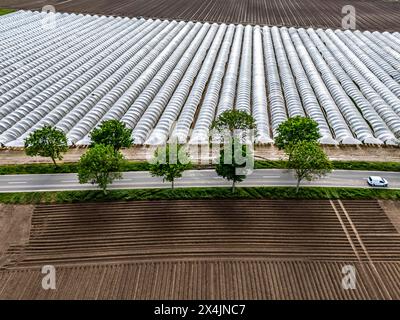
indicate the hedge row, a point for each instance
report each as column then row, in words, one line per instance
column 311, row 193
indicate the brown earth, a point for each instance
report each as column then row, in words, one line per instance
column 15, row 224
column 231, row 249
column 204, row 280
column 392, row 209
column 360, row 153
column 370, row 14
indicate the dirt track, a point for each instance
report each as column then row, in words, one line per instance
column 370, row 14
column 265, row 249
column 360, row 153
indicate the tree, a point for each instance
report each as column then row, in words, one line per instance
column 100, row 165
column 169, row 162
column 309, row 161
column 294, row 130
column 232, row 120
column 112, row 133
column 235, row 160
column 47, row 142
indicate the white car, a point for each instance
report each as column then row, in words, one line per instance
column 375, row 181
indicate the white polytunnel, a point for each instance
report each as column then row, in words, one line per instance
column 206, row 113
column 259, row 94
column 170, row 80
column 276, row 99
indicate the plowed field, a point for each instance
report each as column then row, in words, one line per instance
column 371, row 14
column 267, row 249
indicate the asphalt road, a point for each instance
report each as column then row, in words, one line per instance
column 191, row 178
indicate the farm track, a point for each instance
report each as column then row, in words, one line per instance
column 371, row 14
column 264, row 249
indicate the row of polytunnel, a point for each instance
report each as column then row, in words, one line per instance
column 170, row 80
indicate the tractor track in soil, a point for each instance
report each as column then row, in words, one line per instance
column 236, row 249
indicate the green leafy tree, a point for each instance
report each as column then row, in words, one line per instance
column 232, row 120
column 235, row 161
column 294, row 130
column 100, row 165
column 112, row 133
column 47, row 142
column 169, row 162
column 309, row 161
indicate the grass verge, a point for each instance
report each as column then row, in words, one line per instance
column 6, row 11
column 310, row 193
column 41, row 168
column 338, row 165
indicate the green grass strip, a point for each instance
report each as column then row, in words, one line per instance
column 41, row 168
column 367, row 165
column 310, row 193
column 6, row 11
column 338, row 165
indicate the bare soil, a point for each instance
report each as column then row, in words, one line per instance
column 205, row 155
column 233, row 249
column 15, row 227
column 392, row 209
column 370, row 14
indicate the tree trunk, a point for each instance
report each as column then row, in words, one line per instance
column 298, row 185
column 54, row 161
column 233, row 186
column 172, row 184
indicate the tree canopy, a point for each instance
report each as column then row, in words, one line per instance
column 232, row 120
column 296, row 129
column 169, row 162
column 47, row 142
column 100, row 165
column 112, row 133
column 235, row 160
column 309, row 161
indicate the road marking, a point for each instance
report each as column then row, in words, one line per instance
column 17, row 182
column 69, row 181
column 271, row 176
column 190, row 175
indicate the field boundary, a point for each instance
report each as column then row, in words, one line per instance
column 371, row 15
column 43, row 168
column 306, row 193
column 6, row 11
